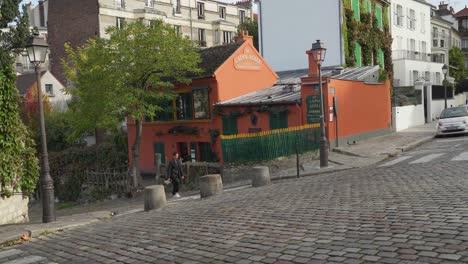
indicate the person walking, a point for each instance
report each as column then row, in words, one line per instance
column 175, row 173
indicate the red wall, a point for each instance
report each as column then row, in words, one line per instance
column 362, row 107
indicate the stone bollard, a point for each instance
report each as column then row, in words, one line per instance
column 210, row 185
column 155, row 197
column 260, row 176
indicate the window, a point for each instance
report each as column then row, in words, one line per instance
column 120, row 3
column 378, row 15
column 412, row 19
column 241, row 16
column 278, row 120
column 423, row 47
column 119, row 22
column 464, row 23
column 355, row 7
column 202, row 37
column 149, row 3
column 184, row 106
column 229, row 125
column 201, row 104
column 178, row 7
column 227, row 37
column 222, row 12
column 423, row 23
column 427, row 75
column 167, row 114
column 464, row 43
column 49, row 89
column 415, row 75
column 442, row 40
column 399, row 15
column 435, row 36
column 178, row 29
column 438, row 80
column 201, row 10
column 412, row 45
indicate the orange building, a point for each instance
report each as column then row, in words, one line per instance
column 240, row 94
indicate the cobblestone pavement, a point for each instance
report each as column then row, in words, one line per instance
column 405, row 213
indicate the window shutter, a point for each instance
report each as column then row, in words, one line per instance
column 188, row 106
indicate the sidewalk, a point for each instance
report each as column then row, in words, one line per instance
column 363, row 153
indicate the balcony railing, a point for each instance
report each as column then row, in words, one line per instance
column 411, row 55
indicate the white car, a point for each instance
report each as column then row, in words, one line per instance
column 453, row 121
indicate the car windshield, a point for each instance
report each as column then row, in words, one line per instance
column 454, row 112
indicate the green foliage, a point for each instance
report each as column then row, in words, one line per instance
column 456, row 59
column 251, row 25
column 131, row 74
column 13, row 40
column 19, row 167
column 368, row 35
column 68, row 167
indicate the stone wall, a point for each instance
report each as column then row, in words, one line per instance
column 14, row 209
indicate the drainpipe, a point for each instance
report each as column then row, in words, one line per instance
column 260, row 26
column 191, row 21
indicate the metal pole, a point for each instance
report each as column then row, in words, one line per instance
column 297, row 158
column 47, row 184
column 445, row 89
column 323, row 137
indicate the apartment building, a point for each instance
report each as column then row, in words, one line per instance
column 206, row 22
column 413, row 40
column 462, row 22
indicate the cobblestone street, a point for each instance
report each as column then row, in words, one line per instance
column 410, row 213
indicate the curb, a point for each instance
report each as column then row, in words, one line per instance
column 325, row 171
column 415, row 144
column 35, row 230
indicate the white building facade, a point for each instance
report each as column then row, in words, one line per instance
column 412, row 43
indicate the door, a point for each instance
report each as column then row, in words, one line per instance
column 159, row 148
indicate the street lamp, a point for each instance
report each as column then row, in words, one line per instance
column 318, row 52
column 37, row 52
column 445, row 70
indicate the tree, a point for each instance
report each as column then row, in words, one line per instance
column 131, row 74
column 13, row 38
column 19, row 167
column 251, row 25
column 456, row 59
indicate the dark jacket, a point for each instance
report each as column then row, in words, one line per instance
column 174, row 170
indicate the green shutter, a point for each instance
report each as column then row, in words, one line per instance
column 229, row 125
column 357, row 54
column 378, row 15
column 278, row 120
column 355, row 4
column 205, row 152
column 380, row 55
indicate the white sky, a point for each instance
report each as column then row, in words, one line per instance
column 457, row 4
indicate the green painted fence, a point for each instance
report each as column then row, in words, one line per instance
column 270, row 144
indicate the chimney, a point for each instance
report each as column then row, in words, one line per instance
column 313, row 67
column 244, row 35
column 443, row 6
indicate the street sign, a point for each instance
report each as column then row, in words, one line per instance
column 313, row 109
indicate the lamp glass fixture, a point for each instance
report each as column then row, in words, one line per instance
column 319, row 51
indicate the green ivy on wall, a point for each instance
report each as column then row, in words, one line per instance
column 369, row 36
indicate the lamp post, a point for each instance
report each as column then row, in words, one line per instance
column 445, row 70
column 37, row 52
column 319, row 51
